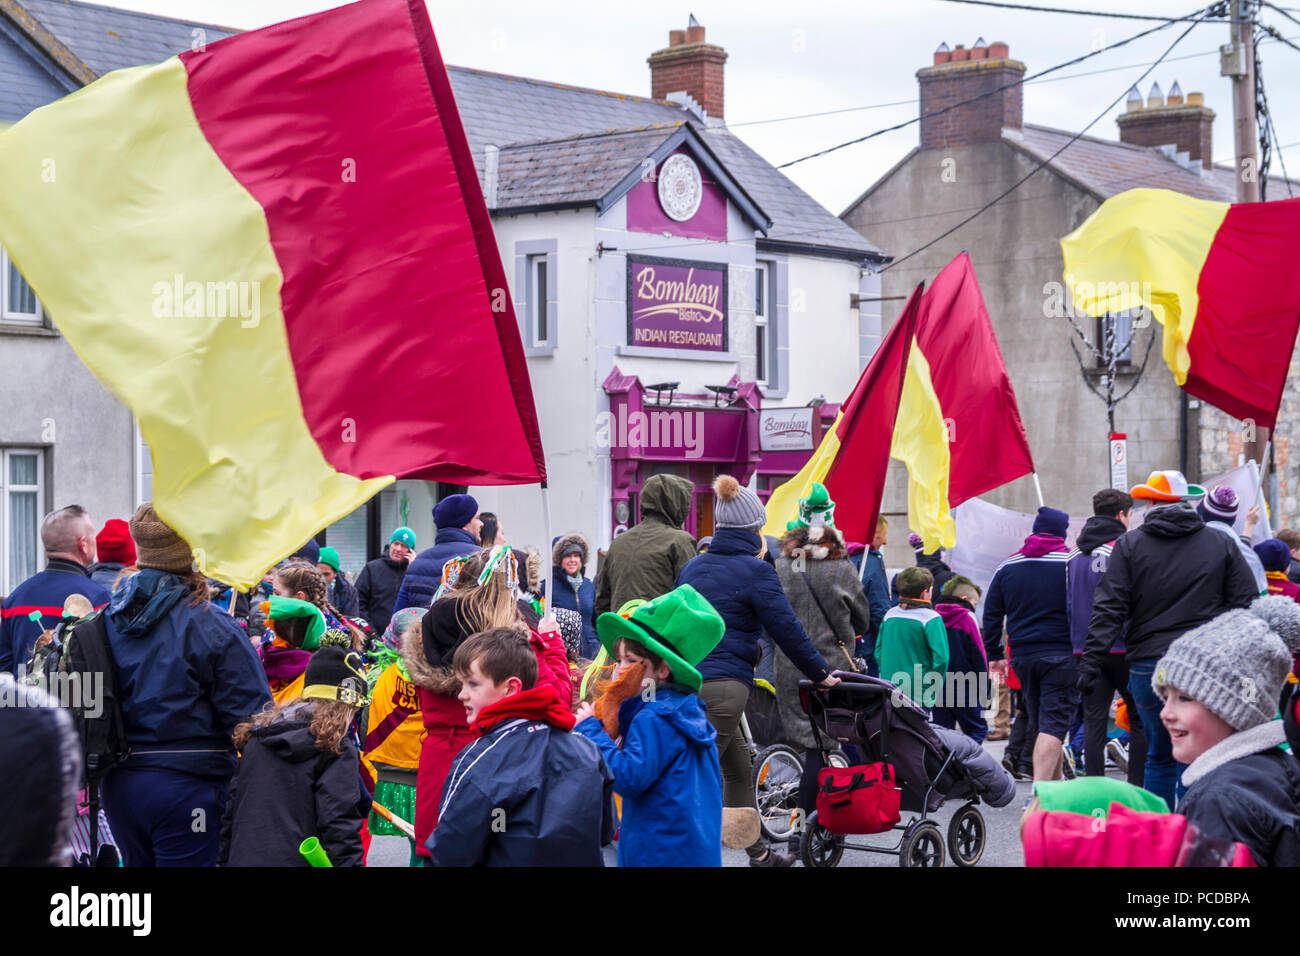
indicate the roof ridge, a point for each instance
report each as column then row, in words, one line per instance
column 594, row 134
column 564, row 86
column 1098, row 140
column 150, row 16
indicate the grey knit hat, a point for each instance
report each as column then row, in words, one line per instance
column 1234, row 665
column 736, row 507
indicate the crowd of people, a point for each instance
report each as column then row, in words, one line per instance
column 493, row 713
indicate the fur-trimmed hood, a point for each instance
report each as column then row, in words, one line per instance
column 818, row 543
column 563, row 542
column 440, row 680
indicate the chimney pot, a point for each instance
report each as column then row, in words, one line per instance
column 1155, row 97
column 689, row 65
column 1175, row 97
column 964, row 104
column 1195, row 99
column 999, row 50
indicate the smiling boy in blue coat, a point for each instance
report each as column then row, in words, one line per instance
column 665, row 757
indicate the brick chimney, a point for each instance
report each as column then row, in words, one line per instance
column 961, row 74
column 1186, row 124
column 690, row 65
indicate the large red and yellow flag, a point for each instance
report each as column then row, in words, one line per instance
column 276, row 252
column 853, row 458
column 955, row 424
column 1221, row 278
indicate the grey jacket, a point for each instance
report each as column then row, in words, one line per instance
column 814, row 560
column 1247, row 552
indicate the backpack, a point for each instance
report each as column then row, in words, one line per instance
column 81, row 675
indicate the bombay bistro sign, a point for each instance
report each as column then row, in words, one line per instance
column 675, row 304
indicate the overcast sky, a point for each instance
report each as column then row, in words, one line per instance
column 792, row 58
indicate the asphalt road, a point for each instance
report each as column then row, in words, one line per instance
column 1002, row 847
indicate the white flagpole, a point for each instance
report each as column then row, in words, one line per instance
column 1038, row 488
column 546, row 525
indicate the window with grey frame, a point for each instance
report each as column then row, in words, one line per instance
column 22, row 483
column 536, row 295
column 18, row 301
column 763, row 347
column 1119, row 325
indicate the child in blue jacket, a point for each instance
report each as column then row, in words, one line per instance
column 664, row 752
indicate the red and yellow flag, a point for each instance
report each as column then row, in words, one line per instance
column 1221, row 278
column 276, row 252
column 955, row 423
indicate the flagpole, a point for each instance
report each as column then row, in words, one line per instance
column 546, row 526
column 1038, row 488
column 1259, row 477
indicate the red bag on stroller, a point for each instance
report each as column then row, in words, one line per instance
column 860, row 799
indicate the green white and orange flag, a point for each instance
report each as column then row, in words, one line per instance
column 954, row 423
column 1221, row 278
column 276, row 252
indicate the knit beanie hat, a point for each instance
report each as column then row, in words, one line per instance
column 309, row 552
column 113, row 544
column 404, row 535
column 917, row 542
column 736, row 507
column 455, row 511
column 330, row 556
column 334, row 673
column 1219, row 505
column 1274, row 554
column 157, row 545
column 1234, row 665
column 1053, row 522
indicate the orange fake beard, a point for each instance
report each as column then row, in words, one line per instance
column 622, row 688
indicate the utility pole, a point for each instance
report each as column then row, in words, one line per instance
column 1237, row 60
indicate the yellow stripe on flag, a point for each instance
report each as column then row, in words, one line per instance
column 921, row 442
column 216, row 394
column 1145, row 246
column 783, row 505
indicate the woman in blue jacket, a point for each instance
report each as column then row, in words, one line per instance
column 570, row 587
column 186, row 675
column 746, row 591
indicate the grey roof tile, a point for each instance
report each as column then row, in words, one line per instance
column 1108, row 168
column 107, row 38
column 576, row 169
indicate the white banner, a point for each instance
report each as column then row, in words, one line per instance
column 987, row 535
column 1244, row 480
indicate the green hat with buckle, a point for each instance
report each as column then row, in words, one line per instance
column 680, row 627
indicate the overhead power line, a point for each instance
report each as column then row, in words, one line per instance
column 1029, row 8
column 999, row 89
column 989, row 205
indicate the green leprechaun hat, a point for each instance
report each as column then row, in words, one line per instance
column 681, row 627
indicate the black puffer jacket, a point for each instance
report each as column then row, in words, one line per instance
column 287, row 790
column 376, row 588
column 1253, row 799
column 1163, row 579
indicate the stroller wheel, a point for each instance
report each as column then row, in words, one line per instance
column 777, row 772
column 820, row 847
column 966, row 835
column 922, row 846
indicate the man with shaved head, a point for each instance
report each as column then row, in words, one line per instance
column 68, row 537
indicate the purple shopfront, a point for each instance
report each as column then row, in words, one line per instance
column 664, row 432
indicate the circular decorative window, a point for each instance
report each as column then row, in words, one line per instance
column 680, row 187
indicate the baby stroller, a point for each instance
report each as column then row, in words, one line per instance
column 885, row 726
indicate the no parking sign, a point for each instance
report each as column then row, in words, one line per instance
column 1119, row 461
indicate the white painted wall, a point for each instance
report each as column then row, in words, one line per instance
column 824, row 334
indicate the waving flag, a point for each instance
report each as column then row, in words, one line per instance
column 276, row 252
column 1220, row 278
column 955, row 425
column 853, row 458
